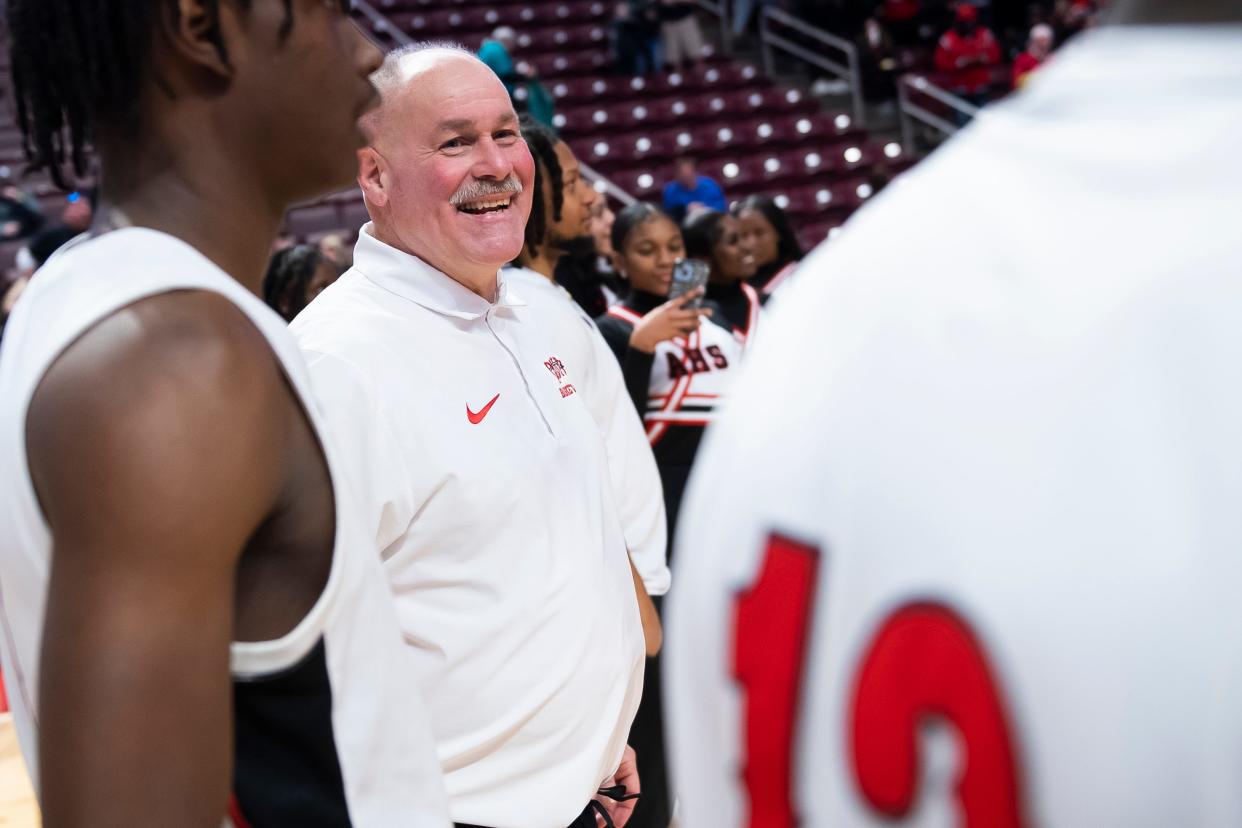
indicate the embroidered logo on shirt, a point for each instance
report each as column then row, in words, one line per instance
column 556, row 367
column 475, row 419
column 558, row 370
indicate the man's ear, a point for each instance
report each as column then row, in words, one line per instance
column 200, row 33
column 372, row 177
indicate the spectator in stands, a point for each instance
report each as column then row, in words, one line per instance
column 48, row 240
column 1073, row 16
column 519, row 78
column 717, row 238
column 335, row 247
column 635, row 34
column 689, row 191
column 680, row 33
column 966, row 55
column 1037, row 50
column 79, row 211
column 879, row 63
column 20, row 215
column 902, row 17
column 295, row 276
column 770, row 236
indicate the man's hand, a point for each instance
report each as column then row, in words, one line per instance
column 627, row 775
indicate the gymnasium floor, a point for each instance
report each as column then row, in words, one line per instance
column 17, row 802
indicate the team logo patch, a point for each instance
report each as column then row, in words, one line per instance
column 556, row 367
column 558, row 371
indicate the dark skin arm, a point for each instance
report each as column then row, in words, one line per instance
column 156, row 443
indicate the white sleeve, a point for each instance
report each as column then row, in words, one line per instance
column 367, row 447
column 631, row 465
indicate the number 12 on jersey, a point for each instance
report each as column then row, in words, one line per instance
column 923, row 662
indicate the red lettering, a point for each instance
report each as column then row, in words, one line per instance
column 772, row 628
column 925, row 662
column 718, row 357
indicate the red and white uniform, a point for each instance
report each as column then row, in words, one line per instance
column 964, row 549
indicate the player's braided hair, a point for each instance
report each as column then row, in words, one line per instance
column 542, row 143
column 78, row 65
column 288, row 276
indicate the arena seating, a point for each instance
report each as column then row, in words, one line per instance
column 749, row 133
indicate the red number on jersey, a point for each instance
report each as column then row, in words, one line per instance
column 771, row 629
column 925, row 662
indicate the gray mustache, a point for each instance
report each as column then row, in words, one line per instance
column 482, row 188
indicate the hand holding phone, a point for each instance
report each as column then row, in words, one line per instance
column 689, row 275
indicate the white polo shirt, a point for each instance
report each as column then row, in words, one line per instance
column 984, row 562
column 631, row 464
column 486, row 484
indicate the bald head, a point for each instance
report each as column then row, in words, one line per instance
column 395, row 77
column 446, row 174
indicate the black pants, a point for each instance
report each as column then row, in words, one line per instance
column 647, row 739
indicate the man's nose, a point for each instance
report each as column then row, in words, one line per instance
column 490, row 161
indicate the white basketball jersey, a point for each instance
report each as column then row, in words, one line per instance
column 329, row 727
column 966, row 548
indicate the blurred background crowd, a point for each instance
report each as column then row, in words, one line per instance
column 802, row 108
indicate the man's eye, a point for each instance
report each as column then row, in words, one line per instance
column 453, row 143
column 505, row 135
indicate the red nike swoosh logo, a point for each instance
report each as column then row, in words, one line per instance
column 475, row 419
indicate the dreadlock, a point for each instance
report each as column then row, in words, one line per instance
column 289, row 274
column 79, row 65
column 542, row 143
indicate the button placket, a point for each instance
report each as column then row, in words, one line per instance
column 530, row 394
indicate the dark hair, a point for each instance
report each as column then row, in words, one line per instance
column 701, row 231
column 788, row 249
column 288, row 276
column 48, row 241
column 542, row 142
column 631, row 217
column 79, row 64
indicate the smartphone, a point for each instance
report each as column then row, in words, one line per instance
column 689, row 275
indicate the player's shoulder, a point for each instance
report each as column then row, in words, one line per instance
column 168, row 347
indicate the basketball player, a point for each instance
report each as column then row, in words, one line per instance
column 982, row 567
column 193, row 632
column 486, row 477
column 561, row 212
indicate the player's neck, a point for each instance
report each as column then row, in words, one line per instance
column 202, row 198
column 544, row 264
column 1162, row 12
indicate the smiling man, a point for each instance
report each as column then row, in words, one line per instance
column 484, row 474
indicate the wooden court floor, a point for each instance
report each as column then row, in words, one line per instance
column 17, row 802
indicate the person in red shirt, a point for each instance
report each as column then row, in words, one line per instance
column 966, row 54
column 1038, row 47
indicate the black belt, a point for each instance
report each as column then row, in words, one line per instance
column 587, row 818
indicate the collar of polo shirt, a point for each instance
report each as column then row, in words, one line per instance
column 411, row 278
